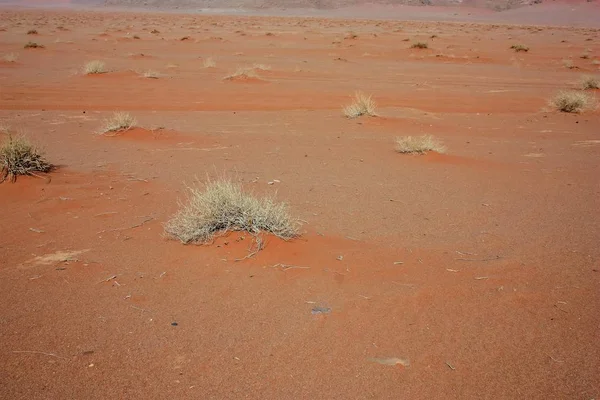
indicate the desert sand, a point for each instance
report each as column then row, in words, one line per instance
column 467, row 275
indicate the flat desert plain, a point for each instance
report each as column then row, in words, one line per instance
column 466, row 275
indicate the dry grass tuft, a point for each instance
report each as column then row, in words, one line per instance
column 419, row 45
column 33, row 45
column 362, row 105
column 94, row 67
column 222, row 206
column 32, row 32
column 419, row 144
column 261, row 67
column 19, row 157
column 119, row 122
column 572, row 101
column 10, row 57
column 243, row 73
column 569, row 64
column 150, row 74
column 209, row 63
column 590, row 82
column 519, row 47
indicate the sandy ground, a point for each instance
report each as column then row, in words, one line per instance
column 477, row 269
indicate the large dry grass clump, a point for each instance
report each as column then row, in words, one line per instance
column 222, row 206
column 362, row 105
column 119, row 122
column 19, row 157
column 572, row 101
column 419, row 144
column 94, row 67
column 590, row 82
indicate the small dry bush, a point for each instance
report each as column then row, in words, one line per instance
column 590, row 82
column 119, row 122
column 209, row 63
column 261, row 67
column 362, row 105
column 10, row 57
column 418, row 144
column 569, row 64
column 150, row 74
column 419, row 45
column 19, row 157
column 32, row 32
column 519, row 47
column 572, row 101
column 223, row 206
column 33, row 45
column 94, row 67
column 243, row 73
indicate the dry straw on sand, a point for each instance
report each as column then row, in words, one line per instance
column 119, row 122
column 419, row 144
column 362, row 105
column 572, row 101
column 590, row 82
column 94, row 67
column 19, row 157
column 222, row 206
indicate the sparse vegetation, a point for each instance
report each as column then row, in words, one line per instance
column 19, row 157
column 209, row 63
column 94, row 67
column 418, row 144
column 572, row 101
column 150, row 74
column 223, row 206
column 32, row 32
column 590, row 82
column 119, row 122
column 362, row 105
column 243, row 73
column 419, row 45
column 136, row 37
column 33, row 45
column 10, row 57
column 519, row 47
column 569, row 64
column 154, row 31
column 262, row 67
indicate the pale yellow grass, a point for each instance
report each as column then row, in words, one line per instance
column 362, row 105
column 419, row 144
column 221, row 206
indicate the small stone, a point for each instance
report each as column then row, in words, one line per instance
column 174, row 324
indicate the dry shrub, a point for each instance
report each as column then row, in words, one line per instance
column 150, row 74
column 10, row 57
column 243, row 73
column 519, row 47
column 32, row 32
column 94, row 67
column 209, row 63
column 33, row 45
column 569, row 64
column 418, row 144
column 262, row 67
column 19, row 157
column 590, row 82
column 572, row 101
column 119, row 122
column 419, row 45
column 362, row 105
column 222, row 206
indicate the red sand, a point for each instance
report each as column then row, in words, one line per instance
column 497, row 293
